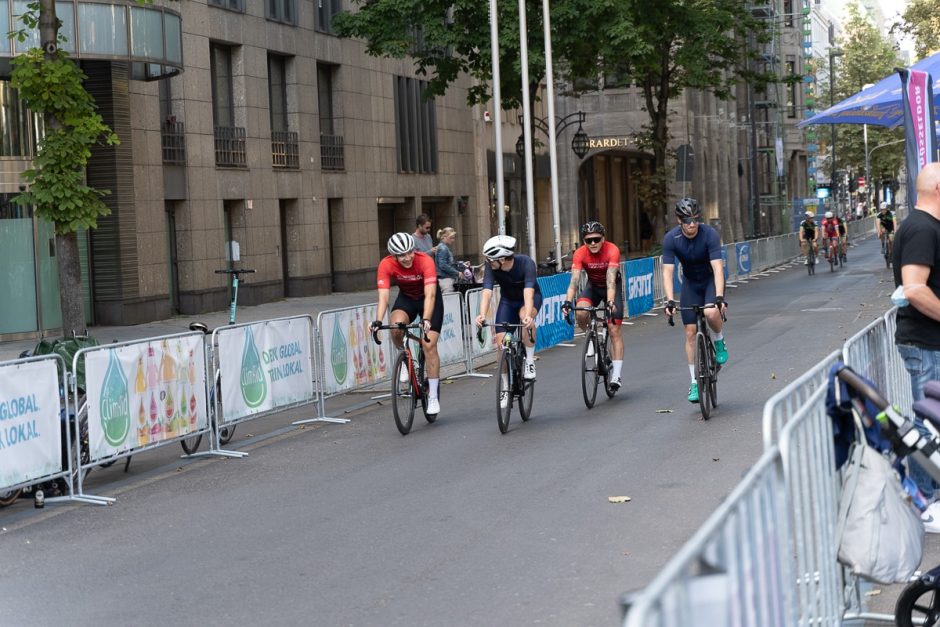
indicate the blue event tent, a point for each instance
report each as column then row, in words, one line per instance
column 879, row 104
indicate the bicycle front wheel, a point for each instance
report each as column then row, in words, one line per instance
column 919, row 604
column 9, row 497
column 589, row 372
column 703, row 376
column 526, row 396
column 403, row 397
column 608, row 370
column 191, row 444
column 504, row 391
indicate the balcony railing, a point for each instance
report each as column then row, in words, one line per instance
column 331, row 152
column 284, row 149
column 173, row 142
column 230, row 147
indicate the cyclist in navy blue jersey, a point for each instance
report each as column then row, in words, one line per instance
column 520, row 297
column 697, row 247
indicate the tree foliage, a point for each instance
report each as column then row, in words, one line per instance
column 665, row 46
column 921, row 20
column 868, row 57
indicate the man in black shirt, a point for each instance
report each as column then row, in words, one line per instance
column 917, row 267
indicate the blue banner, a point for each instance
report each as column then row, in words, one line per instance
column 639, row 286
column 744, row 258
column 724, row 260
column 552, row 327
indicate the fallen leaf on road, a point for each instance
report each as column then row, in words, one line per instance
column 663, row 411
column 773, row 375
column 618, row 499
column 873, row 593
column 715, row 459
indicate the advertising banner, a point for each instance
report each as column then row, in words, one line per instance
column 724, row 261
column 264, row 366
column 743, row 251
column 145, row 393
column 639, row 292
column 450, row 345
column 552, row 327
column 481, row 343
column 350, row 358
column 30, row 429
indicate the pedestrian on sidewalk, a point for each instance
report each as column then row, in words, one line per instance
column 423, row 241
column 447, row 271
column 917, row 267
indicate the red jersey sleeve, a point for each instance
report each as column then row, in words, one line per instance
column 384, row 273
column 577, row 260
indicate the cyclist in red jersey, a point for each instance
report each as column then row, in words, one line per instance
column 830, row 230
column 416, row 277
column 600, row 259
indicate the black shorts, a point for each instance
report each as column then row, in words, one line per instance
column 695, row 293
column 598, row 296
column 508, row 312
column 414, row 309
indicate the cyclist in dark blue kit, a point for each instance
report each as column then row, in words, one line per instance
column 697, row 247
column 520, row 297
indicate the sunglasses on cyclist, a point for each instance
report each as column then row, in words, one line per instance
column 691, row 221
column 593, row 240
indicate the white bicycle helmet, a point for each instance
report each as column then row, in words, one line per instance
column 809, row 214
column 499, row 247
column 829, row 214
column 401, row 243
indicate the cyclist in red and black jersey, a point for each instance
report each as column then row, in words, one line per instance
column 416, row 277
column 831, row 231
column 600, row 259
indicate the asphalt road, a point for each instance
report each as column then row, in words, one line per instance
column 454, row 524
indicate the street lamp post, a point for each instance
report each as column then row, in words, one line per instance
column 833, row 53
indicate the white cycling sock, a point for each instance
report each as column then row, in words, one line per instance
column 617, row 364
column 716, row 336
column 692, row 372
column 530, row 354
column 432, row 387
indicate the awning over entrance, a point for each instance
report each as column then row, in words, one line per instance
column 149, row 37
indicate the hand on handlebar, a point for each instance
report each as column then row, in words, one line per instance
column 566, row 307
column 425, row 327
column 722, row 305
column 376, row 325
column 480, row 320
column 670, row 309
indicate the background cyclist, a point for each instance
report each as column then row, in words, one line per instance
column 830, row 230
column 416, row 277
column 885, row 225
column 697, row 247
column 601, row 260
column 809, row 233
column 520, row 297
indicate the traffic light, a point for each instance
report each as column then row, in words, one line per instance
column 853, row 185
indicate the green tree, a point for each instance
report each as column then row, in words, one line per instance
column 921, row 20
column 868, row 57
column 52, row 85
column 667, row 46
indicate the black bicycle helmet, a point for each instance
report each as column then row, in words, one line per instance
column 688, row 208
column 592, row 227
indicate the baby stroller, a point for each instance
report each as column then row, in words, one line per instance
column 919, row 603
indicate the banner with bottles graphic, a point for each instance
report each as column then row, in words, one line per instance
column 350, row 358
column 144, row 393
column 481, row 341
column 30, row 430
column 450, row 346
column 266, row 365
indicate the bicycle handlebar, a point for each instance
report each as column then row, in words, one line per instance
column 236, row 271
column 846, row 374
column 695, row 308
column 399, row 326
column 593, row 310
column 517, row 325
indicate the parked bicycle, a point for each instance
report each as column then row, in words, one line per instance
column 706, row 366
column 409, row 377
column 191, row 444
column 510, row 382
column 548, row 267
column 595, row 361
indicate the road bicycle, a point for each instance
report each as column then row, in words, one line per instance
column 511, row 383
column 226, row 433
column 832, row 253
column 810, row 258
column 706, row 366
column 414, row 389
column 886, row 247
column 595, row 361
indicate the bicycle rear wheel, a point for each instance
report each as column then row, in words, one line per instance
column 504, row 391
column 589, row 375
column 919, row 604
column 403, row 397
column 703, row 376
column 608, row 369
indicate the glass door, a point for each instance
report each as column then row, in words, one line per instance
column 18, row 313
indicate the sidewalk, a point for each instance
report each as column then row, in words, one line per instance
column 311, row 305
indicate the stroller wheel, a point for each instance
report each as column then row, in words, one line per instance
column 919, row 604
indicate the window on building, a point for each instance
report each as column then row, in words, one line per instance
column 326, row 10
column 331, row 137
column 20, row 128
column 231, row 5
column 281, row 11
column 788, row 13
column 277, row 91
column 618, row 78
column 415, row 126
column 223, row 100
column 793, row 88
